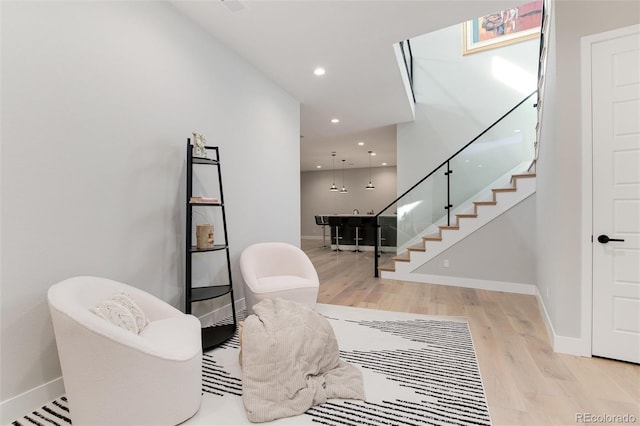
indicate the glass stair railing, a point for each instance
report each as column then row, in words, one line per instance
column 504, row 148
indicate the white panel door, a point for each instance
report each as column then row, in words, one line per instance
column 615, row 74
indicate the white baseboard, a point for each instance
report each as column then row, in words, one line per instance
column 508, row 287
column 571, row 346
column 28, row 401
column 562, row 344
column 221, row 313
column 545, row 317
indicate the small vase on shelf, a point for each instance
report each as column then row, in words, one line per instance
column 199, row 149
column 204, row 236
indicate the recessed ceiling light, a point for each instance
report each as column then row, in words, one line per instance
column 319, row 71
column 335, row 120
column 360, row 143
column 318, row 166
column 384, row 164
column 516, row 131
column 373, row 153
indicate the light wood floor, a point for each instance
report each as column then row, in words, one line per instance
column 525, row 381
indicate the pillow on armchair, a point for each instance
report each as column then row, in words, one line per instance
column 152, row 378
column 123, row 311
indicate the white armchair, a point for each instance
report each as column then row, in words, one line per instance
column 113, row 376
column 281, row 270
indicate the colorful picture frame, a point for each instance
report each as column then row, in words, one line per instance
column 502, row 28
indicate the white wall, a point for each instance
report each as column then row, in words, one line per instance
column 457, row 98
column 98, row 99
column 316, row 199
column 559, row 165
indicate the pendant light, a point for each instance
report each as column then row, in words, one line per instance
column 333, row 187
column 370, row 185
column 343, row 190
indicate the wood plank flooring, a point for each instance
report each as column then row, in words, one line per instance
column 525, row 381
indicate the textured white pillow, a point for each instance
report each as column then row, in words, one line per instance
column 122, row 311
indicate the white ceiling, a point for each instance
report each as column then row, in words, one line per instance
column 353, row 40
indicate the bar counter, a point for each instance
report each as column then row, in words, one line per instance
column 348, row 225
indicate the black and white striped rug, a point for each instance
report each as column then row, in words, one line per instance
column 417, row 370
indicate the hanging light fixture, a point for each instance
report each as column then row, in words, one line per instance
column 370, row 185
column 343, row 190
column 333, row 187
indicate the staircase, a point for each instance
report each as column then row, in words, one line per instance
column 482, row 212
column 474, row 186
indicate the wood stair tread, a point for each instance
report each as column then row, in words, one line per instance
column 449, row 227
column 504, row 189
column 386, row 269
column 466, row 215
column 417, row 248
column 432, row 237
column 515, row 177
column 485, row 203
column 401, row 259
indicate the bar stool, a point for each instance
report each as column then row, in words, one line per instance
column 322, row 221
column 337, row 224
column 356, row 222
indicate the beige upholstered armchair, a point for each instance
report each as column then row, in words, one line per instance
column 278, row 270
column 148, row 375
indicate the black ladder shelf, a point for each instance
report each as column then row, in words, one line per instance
column 214, row 335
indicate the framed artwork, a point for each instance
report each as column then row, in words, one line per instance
column 502, row 28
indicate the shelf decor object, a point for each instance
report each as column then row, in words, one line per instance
column 204, row 236
column 204, row 200
column 199, row 148
column 212, row 336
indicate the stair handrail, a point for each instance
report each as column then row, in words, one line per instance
column 376, row 220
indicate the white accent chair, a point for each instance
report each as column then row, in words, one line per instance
column 113, row 376
column 278, row 270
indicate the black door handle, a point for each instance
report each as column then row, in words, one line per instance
column 604, row 239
